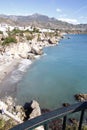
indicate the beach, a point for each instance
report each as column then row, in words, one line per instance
column 15, row 60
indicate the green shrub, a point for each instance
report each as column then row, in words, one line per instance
column 29, row 37
column 1, row 32
column 15, row 32
column 9, row 40
column 35, row 30
column 2, row 123
column 38, row 38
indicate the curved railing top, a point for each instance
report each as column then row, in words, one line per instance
column 58, row 113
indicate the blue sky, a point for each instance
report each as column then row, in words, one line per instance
column 73, row 11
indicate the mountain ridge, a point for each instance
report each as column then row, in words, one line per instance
column 39, row 20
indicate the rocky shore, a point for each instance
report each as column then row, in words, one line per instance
column 13, row 54
column 81, row 97
column 9, row 110
column 12, row 114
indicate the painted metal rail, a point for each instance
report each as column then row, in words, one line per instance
column 55, row 114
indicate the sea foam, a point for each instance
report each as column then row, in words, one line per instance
column 17, row 74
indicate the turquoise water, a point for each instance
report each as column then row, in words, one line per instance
column 57, row 76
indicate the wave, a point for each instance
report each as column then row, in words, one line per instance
column 17, row 74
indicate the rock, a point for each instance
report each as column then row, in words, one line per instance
column 81, row 97
column 36, row 112
column 73, row 121
column 31, row 56
column 52, row 41
column 36, row 50
column 9, row 101
column 20, row 112
column 66, row 104
column 3, row 106
column 36, row 109
column 32, row 110
column 24, row 56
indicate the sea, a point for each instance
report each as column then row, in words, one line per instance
column 54, row 78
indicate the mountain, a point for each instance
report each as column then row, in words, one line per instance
column 39, row 20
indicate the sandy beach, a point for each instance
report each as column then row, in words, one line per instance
column 6, row 68
column 15, row 60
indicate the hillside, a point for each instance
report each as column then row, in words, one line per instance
column 39, row 20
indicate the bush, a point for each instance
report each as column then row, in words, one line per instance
column 2, row 123
column 38, row 38
column 29, row 37
column 35, row 30
column 15, row 32
column 9, row 40
column 1, row 32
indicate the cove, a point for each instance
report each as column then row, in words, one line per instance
column 57, row 76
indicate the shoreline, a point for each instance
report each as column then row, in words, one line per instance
column 9, row 63
column 15, row 66
column 7, row 69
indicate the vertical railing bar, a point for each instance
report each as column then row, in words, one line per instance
column 64, row 122
column 46, row 126
column 81, row 119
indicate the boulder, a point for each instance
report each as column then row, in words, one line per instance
column 36, row 112
column 32, row 110
column 36, row 50
column 9, row 101
column 31, row 56
column 3, row 106
column 20, row 113
column 35, row 109
column 73, row 121
column 24, row 56
column 81, row 97
column 66, row 104
column 52, row 41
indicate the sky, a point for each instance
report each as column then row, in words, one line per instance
column 72, row 11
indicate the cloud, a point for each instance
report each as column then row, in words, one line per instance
column 58, row 10
column 72, row 21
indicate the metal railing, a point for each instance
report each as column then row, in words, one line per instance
column 55, row 114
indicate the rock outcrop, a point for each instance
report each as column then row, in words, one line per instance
column 36, row 50
column 26, row 112
column 30, row 56
column 35, row 109
column 8, row 104
column 52, row 40
column 81, row 97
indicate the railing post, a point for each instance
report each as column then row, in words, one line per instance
column 81, row 119
column 64, row 123
column 46, row 126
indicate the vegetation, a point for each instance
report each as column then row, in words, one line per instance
column 39, row 38
column 29, row 37
column 35, row 30
column 15, row 32
column 75, row 127
column 9, row 40
column 1, row 32
column 6, row 125
column 2, row 123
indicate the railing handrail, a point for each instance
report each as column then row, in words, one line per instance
column 58, row 113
